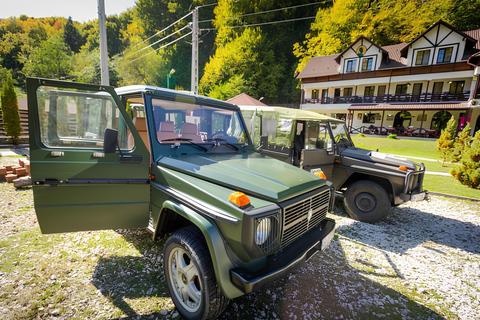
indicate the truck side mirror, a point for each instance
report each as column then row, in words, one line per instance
column 110, row 140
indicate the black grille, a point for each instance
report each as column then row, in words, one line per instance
column 296, row 216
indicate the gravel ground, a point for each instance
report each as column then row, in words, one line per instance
column 422, row 262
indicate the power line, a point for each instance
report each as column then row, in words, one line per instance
column 166, row 45
column 273, row 10
column 164, row 29
column 158, row 41
column 264, row 23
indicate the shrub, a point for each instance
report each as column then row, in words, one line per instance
column 392, row 136
column 461, row 144
column 10, row 115
column 469, row 172
column 446, row 139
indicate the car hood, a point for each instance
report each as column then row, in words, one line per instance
column 378, row 157
column 251, row 173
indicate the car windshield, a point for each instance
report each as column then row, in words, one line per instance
column 341, row 136
column 194, row 124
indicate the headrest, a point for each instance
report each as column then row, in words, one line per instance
column 167, row 126
column 189, row 128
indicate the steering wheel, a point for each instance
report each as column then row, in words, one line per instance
column 218, row 133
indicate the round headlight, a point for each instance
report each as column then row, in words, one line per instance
column 262, row 232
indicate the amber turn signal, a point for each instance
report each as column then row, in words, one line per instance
column 239, row 198
column 320, row 174
column 403, row 168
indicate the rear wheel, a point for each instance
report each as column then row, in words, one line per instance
column 190, row 276
column 366, row 201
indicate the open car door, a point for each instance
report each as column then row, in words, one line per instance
column 318, row 152
column 77, row 184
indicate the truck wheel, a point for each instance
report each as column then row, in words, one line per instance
column 366, row 201
column 190, row 276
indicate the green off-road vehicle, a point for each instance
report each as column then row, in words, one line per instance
column 182, row 166
column 370, row 181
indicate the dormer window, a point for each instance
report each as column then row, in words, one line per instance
column 351, row 66
column 367, row 64
column 444, row 55
column 423, row 57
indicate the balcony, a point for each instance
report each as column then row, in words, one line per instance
column 388, row 98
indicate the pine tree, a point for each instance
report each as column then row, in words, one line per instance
column 10, row 115
column 469, row 172
column 461, row 144
column 446, row 140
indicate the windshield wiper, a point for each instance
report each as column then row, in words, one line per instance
column 223, row 140
column 187, row 140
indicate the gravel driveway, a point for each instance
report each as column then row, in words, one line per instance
column 423, row 262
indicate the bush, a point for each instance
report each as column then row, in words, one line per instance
column 461, row 144
column 446, row 140
column 469, row 172
column 10, row 115
column 392, row 136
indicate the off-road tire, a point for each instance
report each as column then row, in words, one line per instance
column 366, row 201
column 190, row 244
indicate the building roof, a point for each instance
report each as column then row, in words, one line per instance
column 395, row 59
column 353, row 43
column 323, row 66
column 244, row 99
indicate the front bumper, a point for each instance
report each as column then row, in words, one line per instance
column 292, row 257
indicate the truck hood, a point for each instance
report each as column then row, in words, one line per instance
column 378, row 157
column 251, row 173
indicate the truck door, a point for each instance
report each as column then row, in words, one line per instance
column 318, row 151
column 76, row 185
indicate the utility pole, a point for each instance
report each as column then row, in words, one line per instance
column 102, row 19
column 194, row 85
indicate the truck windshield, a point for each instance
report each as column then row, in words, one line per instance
column 186, row 123
column 341, row 136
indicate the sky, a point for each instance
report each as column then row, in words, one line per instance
column 79, row 10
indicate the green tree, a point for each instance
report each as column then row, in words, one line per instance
column 446, row 140
column 461, row 144
column 468, row 173
column 72, row 36
column 10, row 115
column 51, row 60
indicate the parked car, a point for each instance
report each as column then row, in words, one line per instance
column 182, row 166
column 417, row 132
column 370, row 181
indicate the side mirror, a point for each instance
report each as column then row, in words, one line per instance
column 110, row 140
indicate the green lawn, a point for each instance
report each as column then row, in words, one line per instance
column 405, row 147
column 421, row 149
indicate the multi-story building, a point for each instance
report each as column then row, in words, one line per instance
column 418, row 85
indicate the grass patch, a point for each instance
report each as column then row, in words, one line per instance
column 449, row 185
column 405, row 147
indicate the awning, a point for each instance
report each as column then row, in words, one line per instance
column 410, row 106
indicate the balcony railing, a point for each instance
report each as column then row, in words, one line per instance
column 387, row 98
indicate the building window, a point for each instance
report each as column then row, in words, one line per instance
column 347, row 92
column 381, row 90
column 369, row 91
column 422, row 57
column 437, row 87
column 352, row 66
column 401, row 89
column 368, row 118
column 456, row 87
column 314, row 94
column 367, row 64
column 444, row 55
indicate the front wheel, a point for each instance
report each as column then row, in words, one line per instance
column 190, row 276
column 366, row 201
